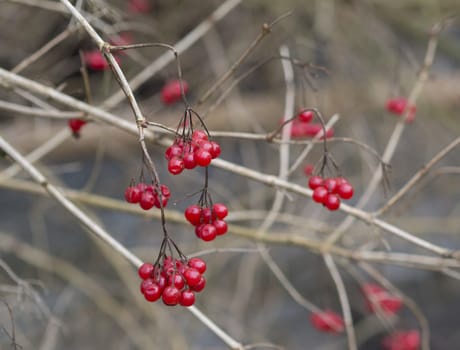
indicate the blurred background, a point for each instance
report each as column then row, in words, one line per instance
column 66, row 290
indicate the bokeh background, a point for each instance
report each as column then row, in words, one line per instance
column 357, row 55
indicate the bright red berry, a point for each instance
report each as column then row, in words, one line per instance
column 192, row 276
column 175, row 165
column 208, row 232
column 189, row 160
column 330, row 184
column 197, row 264
column 332, row 201
column 206, row 216
column 199, row 135
column 75, row 125
column 187, row 298
column 199, row 286
column 145, row 270
column 173, row 151
column 133, row 194
column 95, row 60
column 398, row 105
column 315, row 181
column 221, row 227
column 220, row 210
column 345, row 191
column 152, row 292
column 171, row 92
column 305, row 116
column 176, row 280
column 320, row 194
column 171, row 296
column 147, row 200
column 193, row 214
column 203, row 157
column 327, row 321
column 215, row 150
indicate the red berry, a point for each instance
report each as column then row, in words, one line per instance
column 193, row 214
column 398, row 105
column 215, row 150
column 171, row 296
column 171, row 92
column 203, row 157
column 208, row 232
column 375, row 294
column 177, row 281
column 206, row 216
column 165, row 191
column 332, row 201
column 327, row 321
column 315, row 181
column 220, row 210
column 187, row 298
column 341, row 180
column 192, row 276
column 199, row 135
column 95, row 60
column 152, row 292
column 133, row 194
column 313, row 129
column 330, row 184
column 345, row 191
column 139, row 6
column 145, row 270
column 175, row 165
column 197, row 264
column 402, row 340
column 320, row 194
column 173, row 151
column 199, row 286
column 189, row 160
column 221, row 227
column 145, row 284
column 205, row 145
column 305, row 116
column 147, row 200
column 308, row 169
column 141, row 186
column 198, row 230
column 75, row 125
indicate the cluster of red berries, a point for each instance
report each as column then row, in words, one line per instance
column 175, row 281
column 328, row 191
column 171, row 93
column 377, row 297
column 75, row 126
column 209, row 222
column 147, row 195
column 302, row 126
column 398, row 105
column 187, row 154
column 327, row 321
column 402, row 340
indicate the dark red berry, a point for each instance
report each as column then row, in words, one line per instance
column 197, row 264
column 315, row 181
column 145, row 270
column 147, row 200
column 208, row 232
column 220, row 210
column 193, row 214
column 171, row 296
column 203, row 157
column 75, row 125
column 320, row 194
column 345, row 191
column 177, row 281
column 95, row 60
column 187, row 298
column 175, row 165
column 305, row 116
column 206, row 216
column 332, row 201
